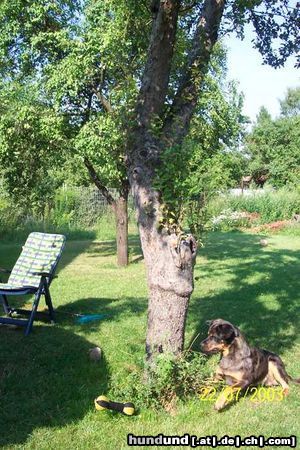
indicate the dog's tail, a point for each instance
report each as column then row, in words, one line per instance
column 294, row 380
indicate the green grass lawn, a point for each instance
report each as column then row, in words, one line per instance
column 48, row 383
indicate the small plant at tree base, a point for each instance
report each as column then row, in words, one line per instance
column 172, row 379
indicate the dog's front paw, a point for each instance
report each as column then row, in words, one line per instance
column 219, row 405
column 219, row 408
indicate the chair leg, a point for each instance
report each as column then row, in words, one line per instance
column 5, row 304
column 35, row 305
column 49, row 302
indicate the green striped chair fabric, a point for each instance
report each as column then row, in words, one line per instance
column 40, row 253
column 32, row 274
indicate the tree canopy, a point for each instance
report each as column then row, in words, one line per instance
column 86, row 61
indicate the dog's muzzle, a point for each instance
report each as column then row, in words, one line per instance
column 206, row 349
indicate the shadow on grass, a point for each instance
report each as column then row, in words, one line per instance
column 247, row 300
column 46, row 380
column 112, row 309
column 109, row 248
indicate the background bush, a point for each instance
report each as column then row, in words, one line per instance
column 270, row 205
column 73, row 212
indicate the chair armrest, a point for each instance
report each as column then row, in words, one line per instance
column 5, row 270
column 44, row 274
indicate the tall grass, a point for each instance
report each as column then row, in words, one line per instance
column 72, row 212
column 270, row 205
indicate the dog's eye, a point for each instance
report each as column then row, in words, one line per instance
column 216, row 339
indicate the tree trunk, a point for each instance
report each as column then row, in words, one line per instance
column 169, row 258
column 121, row 216
column 170, row 261
column 120, row 210
column 166, row 322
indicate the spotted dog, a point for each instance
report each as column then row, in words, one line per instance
column 242, row 366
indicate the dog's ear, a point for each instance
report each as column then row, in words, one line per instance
column 227, row 332
column 237, row 331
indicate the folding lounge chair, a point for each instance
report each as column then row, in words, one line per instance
column 32, row 274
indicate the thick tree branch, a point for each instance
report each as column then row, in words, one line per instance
column 98, row 92
column 93, row 174
column 154, row 8
column 157, row 70
column 125, row 187
column 185, row 101
column 143, row 151
column 104, row 101
column 88, row 109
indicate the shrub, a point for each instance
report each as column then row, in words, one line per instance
column 171, row 380
column 229, row 219
column 77, row 213
column 270, row 206
column 10, row 217
column 71, row 212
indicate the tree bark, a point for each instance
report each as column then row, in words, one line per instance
column 166, row 321
column 120, row 208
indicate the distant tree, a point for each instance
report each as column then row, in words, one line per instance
column 32, row 146
column 290, row 105
column 273, row 147
column 263, row 116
